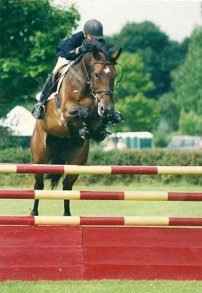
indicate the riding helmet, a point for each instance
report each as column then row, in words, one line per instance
column 94, row 28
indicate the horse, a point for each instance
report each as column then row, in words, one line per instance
column 82, row 110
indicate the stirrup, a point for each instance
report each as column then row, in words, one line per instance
column 38, row 111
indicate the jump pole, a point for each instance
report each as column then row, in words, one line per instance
column 98, row 170
column 100, row 195
column 97, row 221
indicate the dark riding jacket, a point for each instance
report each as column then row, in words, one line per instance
column 67, row 48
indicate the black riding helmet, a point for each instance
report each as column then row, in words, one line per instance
column 94, row 28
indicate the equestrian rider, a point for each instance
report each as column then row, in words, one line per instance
column 69, row 50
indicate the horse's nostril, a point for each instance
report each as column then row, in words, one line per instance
column 105, row 113
column 73, row 112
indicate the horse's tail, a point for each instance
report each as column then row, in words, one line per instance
column 55, row 178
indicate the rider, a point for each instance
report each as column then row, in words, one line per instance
column 69, row 50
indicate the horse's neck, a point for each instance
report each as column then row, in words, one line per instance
column 78, row 76
column 80, row 73
column 76, row 81
column 75, row 92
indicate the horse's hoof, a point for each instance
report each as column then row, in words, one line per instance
column 34, row 213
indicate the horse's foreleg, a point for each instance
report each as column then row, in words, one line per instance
column 39, row 184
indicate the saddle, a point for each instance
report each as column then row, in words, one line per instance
column 59, row 76
column 57, row 80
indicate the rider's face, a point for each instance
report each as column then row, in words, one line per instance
column 89, row 37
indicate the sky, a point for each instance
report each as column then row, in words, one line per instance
column 176, row 18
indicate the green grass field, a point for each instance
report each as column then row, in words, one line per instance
column 110, row 208
column 102, row 287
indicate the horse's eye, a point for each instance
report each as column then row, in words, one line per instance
column 96, row 74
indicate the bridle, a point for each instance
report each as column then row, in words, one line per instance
column 95, row 94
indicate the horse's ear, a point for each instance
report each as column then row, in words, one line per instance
column 116, row 54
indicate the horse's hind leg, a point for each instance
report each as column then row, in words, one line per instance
column 67, row 208
column 76, row 154
column 67, row 185
column 34, row 211
column 40, row 156
column 39, row 184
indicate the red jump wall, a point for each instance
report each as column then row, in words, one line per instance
column 85, row 253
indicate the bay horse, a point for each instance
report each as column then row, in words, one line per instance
column 83, row 108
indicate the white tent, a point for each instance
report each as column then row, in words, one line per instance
column 20, row 121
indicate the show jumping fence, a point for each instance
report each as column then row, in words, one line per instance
column 76, row 247
column 97, row 170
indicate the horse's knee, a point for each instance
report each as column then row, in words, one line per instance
column 100, row 135
column 83, row 113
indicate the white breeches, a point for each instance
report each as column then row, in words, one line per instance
column 61, row 61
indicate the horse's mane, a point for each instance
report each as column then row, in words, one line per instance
column 100, row 46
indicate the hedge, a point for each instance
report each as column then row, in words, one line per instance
column 155, row 157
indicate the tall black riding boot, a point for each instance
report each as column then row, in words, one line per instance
column 39, row 109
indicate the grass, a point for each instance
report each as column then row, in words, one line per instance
column 102, row 287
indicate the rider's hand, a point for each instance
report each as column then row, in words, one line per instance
column 78, row 50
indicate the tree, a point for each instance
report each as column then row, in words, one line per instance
column 30, row 33
column 190, row 123
column 182, row 106
column 187, row 79
column 170, row 110
column 159, row 54
column 139, row 112
column 135, row 79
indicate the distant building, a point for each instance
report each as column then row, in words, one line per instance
column 19, row 121
column 185, row 142
column 132, row 140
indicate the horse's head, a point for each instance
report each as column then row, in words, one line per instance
column 99, row 63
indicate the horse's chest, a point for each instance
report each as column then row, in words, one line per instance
column 55, row 124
